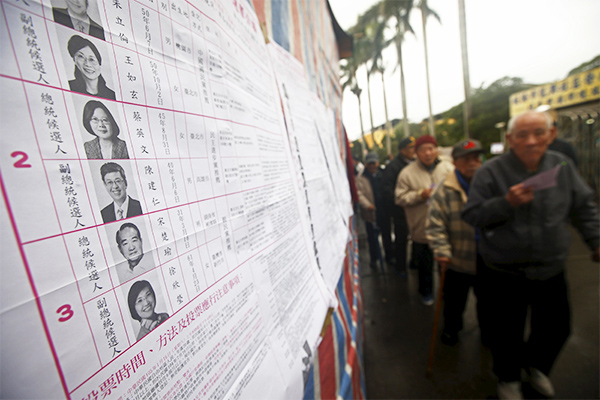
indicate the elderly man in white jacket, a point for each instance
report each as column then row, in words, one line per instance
column 414, row 186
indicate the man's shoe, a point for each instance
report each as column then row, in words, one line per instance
column 427, row 300
column 510, row 391
column 541, row 383
column 449, row 339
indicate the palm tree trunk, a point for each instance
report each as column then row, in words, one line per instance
column 388, row 128
column 402, row 90
column 465, row 62
column 424, row 18
column 362, row 131
column 370, row 105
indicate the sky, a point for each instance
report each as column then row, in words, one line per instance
column 537, row 40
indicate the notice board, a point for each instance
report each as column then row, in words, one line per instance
column 161, row 235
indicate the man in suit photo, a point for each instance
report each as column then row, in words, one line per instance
column 123, row 206
column 76, row 16
column 129, row 242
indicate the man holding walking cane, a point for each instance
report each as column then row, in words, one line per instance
column 453, row 241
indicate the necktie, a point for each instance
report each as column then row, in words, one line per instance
column 80, row 27
column 119, row 214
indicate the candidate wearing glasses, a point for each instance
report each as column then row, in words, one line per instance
column 123, row 206
column 99, row 122
column 88, row 69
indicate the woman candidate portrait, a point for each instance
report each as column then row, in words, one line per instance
column 76, row 16
column 88, row 69
column 142, row 302
column 99, row 122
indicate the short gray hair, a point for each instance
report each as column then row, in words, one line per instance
column 513, row 120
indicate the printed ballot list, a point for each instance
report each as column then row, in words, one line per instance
column 154, row 238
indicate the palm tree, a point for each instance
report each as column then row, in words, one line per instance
column 378, row 66
column 348, row 72
column 398, row 11
column 426, row 12
column 375, row 20
column 465, row 63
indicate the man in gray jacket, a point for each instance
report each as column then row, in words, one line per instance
column 524, row 244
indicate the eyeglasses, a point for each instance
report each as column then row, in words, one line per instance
column 79, row 57
column 117, row 182
column 96, row 121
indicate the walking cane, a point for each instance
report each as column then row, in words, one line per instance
column 436, row 320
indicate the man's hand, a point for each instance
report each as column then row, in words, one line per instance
column 518, row 195
column 443, row 262
column 596, row 255
column 426, row 193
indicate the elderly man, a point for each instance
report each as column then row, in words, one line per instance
column 524, row 243
column 370, row 199
column 115, row 183
column 129, row 242
column 406, row 155
column 453, row 241
column 413, row 189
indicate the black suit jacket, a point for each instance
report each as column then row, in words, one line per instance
column 61, row 15
column 108, row 212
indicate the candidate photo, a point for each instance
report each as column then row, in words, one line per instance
column 75, row 16
column 131, row 246
column 87, row 69
column 99, row 122
column 142, row 303
column 115, row 183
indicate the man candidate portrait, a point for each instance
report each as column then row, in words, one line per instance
column 76, row 16
column 129, row 242
column 115, row 183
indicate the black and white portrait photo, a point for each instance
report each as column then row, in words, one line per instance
column 115, row 184
column 100, row 123
column 87, row 68
column 75, row 14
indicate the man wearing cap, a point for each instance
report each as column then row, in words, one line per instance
column 524, row 244
column 405, row 156
column 370, row 199
column 453, row 241
column 414, row 187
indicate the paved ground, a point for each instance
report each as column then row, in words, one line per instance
column 398, row 331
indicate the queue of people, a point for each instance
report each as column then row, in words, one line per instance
column 491, row 228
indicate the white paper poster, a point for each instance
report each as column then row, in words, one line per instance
column 325, row 193
column 153, row 243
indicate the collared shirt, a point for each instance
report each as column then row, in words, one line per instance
column 125, row 272
column 123, row 209
column 80, row 25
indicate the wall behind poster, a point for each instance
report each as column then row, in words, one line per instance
column 209, row 288
column 305, row 29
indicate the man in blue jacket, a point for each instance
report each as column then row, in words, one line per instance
column 524, row 243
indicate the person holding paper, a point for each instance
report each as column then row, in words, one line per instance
column 115, row 183
column 453, row 241
column 414, row 187
column 524, row 244
column 142, row 303
column 370, row 199
column 88, row 69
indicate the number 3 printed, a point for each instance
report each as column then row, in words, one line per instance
column 66, row 312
